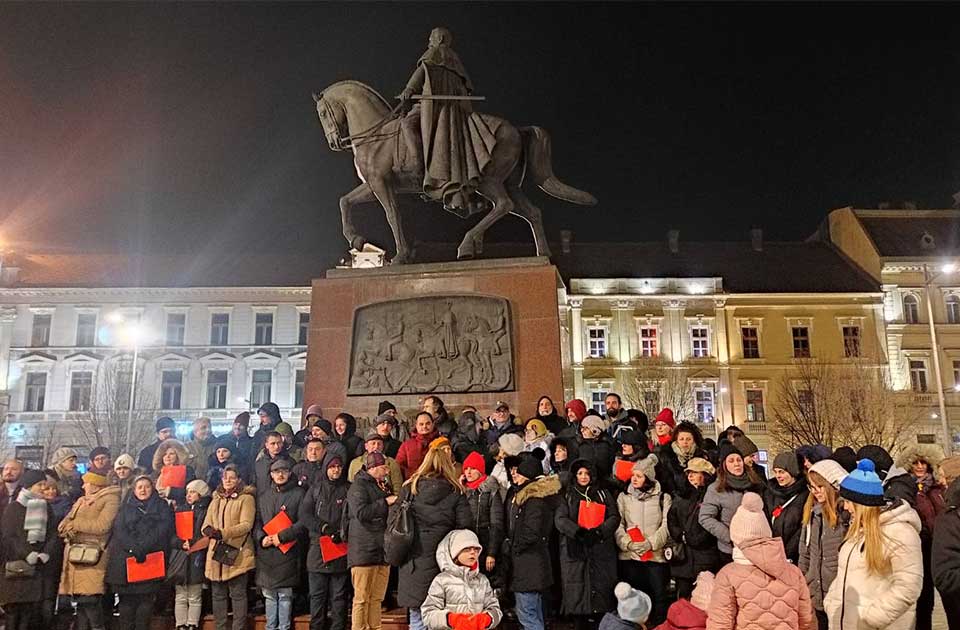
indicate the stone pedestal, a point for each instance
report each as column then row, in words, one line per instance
column 473, row 333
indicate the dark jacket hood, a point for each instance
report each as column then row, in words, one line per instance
column 273, row 412
column 327, row 458
column 351, row 423
column 952, row 496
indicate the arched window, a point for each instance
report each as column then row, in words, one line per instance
column 911, row 309
column 953, row 309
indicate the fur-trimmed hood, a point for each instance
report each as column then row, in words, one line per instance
column 251, row 490
column 539, row 489
column 930, row 453
column 164, row 446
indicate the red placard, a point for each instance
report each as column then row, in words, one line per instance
column 591, row 514
column 623, row 470
column 184, row 522
column 153, row 567
column 331, row 550
column 468, row 621
column 276, row 525
column 173, row 477
column 637, row 536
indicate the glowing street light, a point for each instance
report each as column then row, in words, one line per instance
column 949, row 268
column 130, row 334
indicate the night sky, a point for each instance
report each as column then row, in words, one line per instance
column 181, row 127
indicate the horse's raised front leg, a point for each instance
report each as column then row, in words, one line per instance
column 360, row 194
column 531, row 213
column 387, row 196
column 502, row 206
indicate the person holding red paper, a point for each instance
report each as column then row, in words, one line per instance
column 188, row 592
column 144, row 526
column 171, row 473
column 460, row 596
column 642, row 534
column 587, row 554
column 633, row 448
column 322, row 512
column 278, row 564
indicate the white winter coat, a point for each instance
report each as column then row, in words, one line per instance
column 643, row 510
column 457, row 588
column 858, row 600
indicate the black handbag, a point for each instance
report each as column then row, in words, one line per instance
column 399, row 534
column 19, row 569
column 226, row 554
column 675, row 553
column 176, row 564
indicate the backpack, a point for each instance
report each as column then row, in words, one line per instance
column 399, row 534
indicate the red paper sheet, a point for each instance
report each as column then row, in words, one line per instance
column 331, row 550
column 184, row 521
column 467, row 621
column 173, row 477
column 152, row 568
column 637, row 536
column 276, row 525
column 623, row 470
column 591, row 514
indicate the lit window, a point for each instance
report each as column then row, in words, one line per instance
column 700, row 341
column 217, row 389
column 597, row 397
column 751, row 342
column 953, row 309
column 81, row 386
column 171, row 386
column 851, row 341
column 911, row 309
column 755, row 405
column 86, row 330
column 219, row 329
column 918, row 376
column 260, row 384
column 263, row 331
column 703, row 401
column 304, row 329
column 176, row 327
column 801, row 342
column 298, row 388
column 597, row 336
column 40, row 335
column 35, row 392
column 648, row 341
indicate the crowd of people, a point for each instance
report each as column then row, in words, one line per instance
column 599, row 519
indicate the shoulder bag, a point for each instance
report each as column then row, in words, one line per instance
column 399, row 534
column 19, row 569
column 84, row 553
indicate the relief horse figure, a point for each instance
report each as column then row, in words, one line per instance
column 356, row 117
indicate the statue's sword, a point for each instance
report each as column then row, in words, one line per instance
column 441, row 97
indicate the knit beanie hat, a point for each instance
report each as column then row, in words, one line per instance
column 643, row 423
column 199, row 486
column 830, row 470
column 703, row 591
column 284, row 429
column 165, row 423
column 384, row 407
column 385, row 418
column 745, row 445
column 324, row 425
column 530, row 465
column 95, row 479
column 699, row 464
column 438, row 443
column 633, row 606
column 647, row 466
column 666, row 416
column 61, row 454
column 578, row 407
column 124, row 461
column 846, row 457
column 863, row 486
column 594, row 423
column 632, row 437
column 787, row 461
column 243, row 419
column 475, row 460
column 951, row 468
column 882, row 462
column 726, row 450
column 749, row 522
column 510, row 444
column 371, row 436
column 98, row 450
column 30, row 477
column 538, row 427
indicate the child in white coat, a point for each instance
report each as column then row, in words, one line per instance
column 460, row 596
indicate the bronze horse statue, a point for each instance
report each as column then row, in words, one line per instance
column 356, row 117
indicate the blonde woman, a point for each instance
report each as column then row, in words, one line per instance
column 439, row 505
column 824, row 527
column 880, row 568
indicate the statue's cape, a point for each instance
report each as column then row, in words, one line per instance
column 445, row 57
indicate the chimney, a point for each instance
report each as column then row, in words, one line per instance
column 756, row 239
column 566, row 237
column 673, row 241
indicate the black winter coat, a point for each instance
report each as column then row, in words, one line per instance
column 276, row 569
column 586, row 564
column 466, row 441
column 14, row 546
column 901, row 487
column 788, row 525
column 437, row 508
column 946, row 555
column 486, row 511
column 307, row 474
column 367, row 505
column 529, row 525
column 193, row 571
column 683, row 521
column 141, row 528
column 670, row 472
column 215, row 470
column 261, row 470
column 243, row 448
column 391, row 446
column 600, row 452
column 322, row 512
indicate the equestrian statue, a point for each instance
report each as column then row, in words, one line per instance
column 435, row 145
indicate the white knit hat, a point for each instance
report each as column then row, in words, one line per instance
column 647, row 466
column 594, row 423
column 632, row 605
column 124, row 461
column 511, row 444
column 830, row 470
column 703, row 591
column 749, row 522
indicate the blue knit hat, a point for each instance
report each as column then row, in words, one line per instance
column 863, row 486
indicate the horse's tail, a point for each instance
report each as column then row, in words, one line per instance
column 539, row 167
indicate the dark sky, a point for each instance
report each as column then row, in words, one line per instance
column 179, row 127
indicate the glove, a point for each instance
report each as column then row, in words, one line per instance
column 212, row 533
column 33, row 557
column 138, row 554
column 485, row 621
column 595, row 537
column 324, row 529
column 581, row 535
column 335, row 537
column 44, row 557
column 640, row 548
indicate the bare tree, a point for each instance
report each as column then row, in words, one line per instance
column 850, row 404
column 657, row 383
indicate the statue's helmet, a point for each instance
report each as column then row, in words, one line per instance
column 441, row 35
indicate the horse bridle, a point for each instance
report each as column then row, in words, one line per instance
column 348, row 141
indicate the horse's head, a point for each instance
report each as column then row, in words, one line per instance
column 345, row 104
column 333, row 119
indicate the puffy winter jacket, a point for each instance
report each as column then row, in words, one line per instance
column 717, row 511
column 529, row 523
column 683, row 522
column 177, row 495
column 819, row 552
column 412, row 452
column 14, row 546
column 682, row 615
column 89, row 521
column 233, row 516
column 141, row 528
column 859, row 599
column 600, row 451
column 457, row 589
column 760, row 590
column 486, row 510
column 946, row 555
column 276, row 569
column 367, row 505
column 648, row 512
column 784, row 506
column 322, row 512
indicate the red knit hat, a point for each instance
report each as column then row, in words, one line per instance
column 578, row 407
column 666, row 416
column 475, row 460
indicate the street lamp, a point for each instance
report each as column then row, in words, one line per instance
column 131, row 335
column 928, row 280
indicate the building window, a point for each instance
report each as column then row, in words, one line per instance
column 801, row 342
column 805, row 401
column 597, row 396
column 176, row 327
column 263, row 331
column 81, row 386
column 219, row 329
column 953, row 309
column 171, row 386
column 851, row 341
column 298, row 388
column 217, row 389
column 648, row 341
column 956, row 375
column 911, row 309
column 700, row 342
column 755, row 406
column 918, row 376
column 86, row 330
column 41, row 331
column 36, row 391
column 597, row 336
column 651, row 400
column 703, row 401
column 304, row 328
column 260, row 384
column 751, row 342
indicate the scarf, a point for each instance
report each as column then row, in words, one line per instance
column 473, row 485
column 740, row 482
column 35, row 518
column 925, row 483
column 682, row 455
column 663, row 440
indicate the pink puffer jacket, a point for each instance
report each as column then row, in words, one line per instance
column 760, row 591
